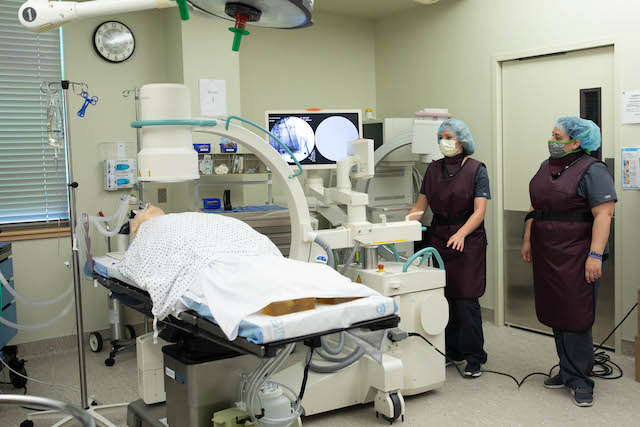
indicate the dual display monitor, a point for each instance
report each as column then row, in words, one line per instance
column 318, row 139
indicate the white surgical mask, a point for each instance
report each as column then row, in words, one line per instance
column 448, row 147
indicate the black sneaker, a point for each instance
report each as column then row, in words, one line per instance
column 554, row 382
column 473, row 370
column 454, row 362
column 582, row 396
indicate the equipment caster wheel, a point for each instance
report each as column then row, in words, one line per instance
column 95, row 342
column 17, row 380
column 132, row 331
column 27, row 423
column 110, row 361
column 392, row 403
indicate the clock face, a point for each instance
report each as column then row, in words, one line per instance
column 114, row 41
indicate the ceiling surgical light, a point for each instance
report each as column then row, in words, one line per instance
column 44, row 15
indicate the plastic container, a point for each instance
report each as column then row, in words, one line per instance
column 228, row 146
column 335, row 301
column 212, row 203
column 291, row 306
column 202, row 148
column 368, row 113
column 275, row 404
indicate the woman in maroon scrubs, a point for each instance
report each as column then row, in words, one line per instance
column 457, row 189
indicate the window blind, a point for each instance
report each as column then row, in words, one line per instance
column 32, row 182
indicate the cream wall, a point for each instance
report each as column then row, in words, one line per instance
column 207, row 54
column 440, row 56
column 329, row 65
column 39, row 269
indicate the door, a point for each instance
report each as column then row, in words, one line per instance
column 536, row 91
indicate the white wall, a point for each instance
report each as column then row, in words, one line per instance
column 39, row 269
column 440, row 56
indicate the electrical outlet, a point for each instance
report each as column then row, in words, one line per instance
column 162, row 195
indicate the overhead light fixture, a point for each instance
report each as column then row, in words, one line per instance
column 283, row 14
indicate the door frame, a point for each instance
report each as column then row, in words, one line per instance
column 497, row 114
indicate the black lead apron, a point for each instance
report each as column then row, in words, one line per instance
column 450, row 190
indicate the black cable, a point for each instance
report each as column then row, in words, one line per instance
column 617, row 326
column 603, row 368
column 305, row 376
column 414, row 334
column 519, row 383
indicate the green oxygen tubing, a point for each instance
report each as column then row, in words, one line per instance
column 393, row 249
column 429, row 252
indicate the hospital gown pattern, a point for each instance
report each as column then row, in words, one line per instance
column 170, row 250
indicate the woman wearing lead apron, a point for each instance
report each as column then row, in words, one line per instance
column 457, row 189
column 572, row 203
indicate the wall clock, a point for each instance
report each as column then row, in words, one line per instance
column 114, row 41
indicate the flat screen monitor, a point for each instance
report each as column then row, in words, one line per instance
column 317, row 138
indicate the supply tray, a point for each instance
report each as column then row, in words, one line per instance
column 194, row 324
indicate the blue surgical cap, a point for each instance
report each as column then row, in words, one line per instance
column 462, row 133
column 585, row 130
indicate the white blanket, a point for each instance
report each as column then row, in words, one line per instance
column 235, row 286
column 240, row 270
column 170, row 250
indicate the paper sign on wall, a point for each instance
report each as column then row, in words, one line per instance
column 213, row 98
column 630, row 111
column 631, row 168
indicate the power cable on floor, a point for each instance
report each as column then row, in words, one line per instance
column 603, row 368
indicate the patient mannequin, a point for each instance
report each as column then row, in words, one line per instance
column 239, row 270
column 149, row 212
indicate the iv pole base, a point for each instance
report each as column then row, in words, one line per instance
column 94, row 410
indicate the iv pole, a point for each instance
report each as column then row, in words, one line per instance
column 71, row 188
column 136, row 93
column 72, row 185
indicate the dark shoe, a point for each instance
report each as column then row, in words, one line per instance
column 582, row 396
column 554, row 382
column 454, row 362
column 473, row 370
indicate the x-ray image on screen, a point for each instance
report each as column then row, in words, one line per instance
column 317, row 138
column 333, row 135
column 296, row 134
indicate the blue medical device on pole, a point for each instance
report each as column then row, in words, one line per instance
column 9, row 353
